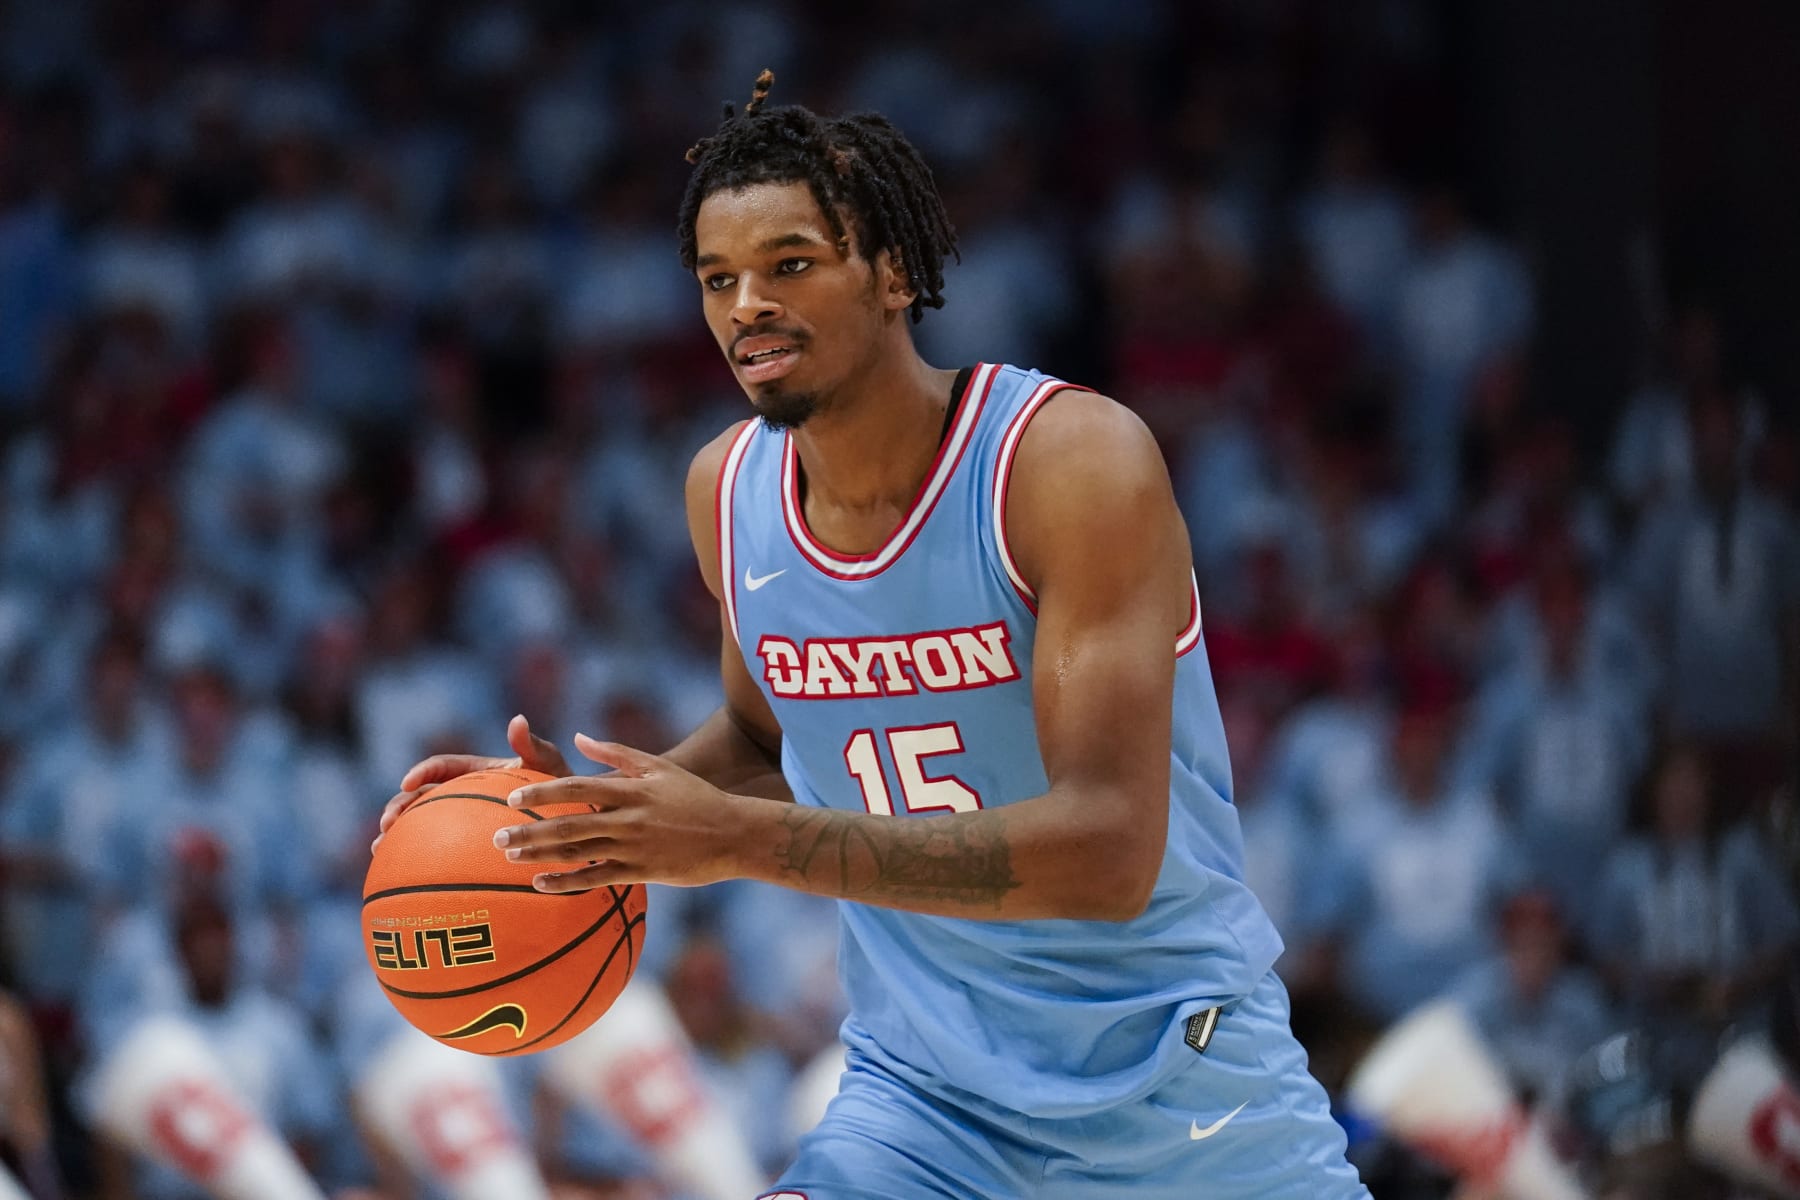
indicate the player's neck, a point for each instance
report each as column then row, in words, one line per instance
column 872, row 448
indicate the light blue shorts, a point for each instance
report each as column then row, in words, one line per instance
column 1243, row 1121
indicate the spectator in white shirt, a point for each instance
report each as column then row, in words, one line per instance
column 1696, row 921
column 1465, row 306
column 1716, row 572
column 1559, row 743
column 1355, row 230
column 194, row 970
column 67, row 805
column 1653, row 447
column 139, row 258
column 1537, row 1011
column 1426, row 879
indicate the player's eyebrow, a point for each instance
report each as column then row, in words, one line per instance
column 789, row 239
column 780, row 242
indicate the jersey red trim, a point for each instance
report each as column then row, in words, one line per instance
column 1003, row 465
column 852, row 567
column 1190, row 637
column 722, row 505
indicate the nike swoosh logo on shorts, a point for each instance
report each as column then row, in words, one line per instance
column 755, row 581
column 1195, row 1133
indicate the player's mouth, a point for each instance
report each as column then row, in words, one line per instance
column 761, row 359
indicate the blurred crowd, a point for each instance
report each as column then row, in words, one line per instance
column 348, row 378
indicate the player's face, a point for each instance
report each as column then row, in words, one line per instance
column 795, row 309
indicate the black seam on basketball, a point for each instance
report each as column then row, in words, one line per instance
column 418, row 804
column 415, row 888
column 630, row 944
column 522, row 972
column 630, row 947
column 624, row 939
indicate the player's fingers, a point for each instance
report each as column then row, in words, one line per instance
column 586, row 879
column 601, row 791
column 585, row 851
column 440, row 767
column 394, row 807
column 555, row 832
column 534, row 752
column 626, row 759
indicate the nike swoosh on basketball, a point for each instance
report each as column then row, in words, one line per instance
column 502, row 1016
column 1195, row 1133
column 755, row 581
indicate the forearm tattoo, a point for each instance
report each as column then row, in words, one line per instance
column 960, row 860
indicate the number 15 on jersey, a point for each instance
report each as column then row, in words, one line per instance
column 908, row 748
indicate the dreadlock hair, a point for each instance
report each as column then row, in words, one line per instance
column 858, row 164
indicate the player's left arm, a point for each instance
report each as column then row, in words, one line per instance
column 1094, row 528
column 1095, row 531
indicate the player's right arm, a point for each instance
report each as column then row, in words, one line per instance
column 738, row 748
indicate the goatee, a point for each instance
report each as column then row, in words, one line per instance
column 781, row 411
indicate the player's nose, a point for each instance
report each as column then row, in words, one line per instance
column 752, row 304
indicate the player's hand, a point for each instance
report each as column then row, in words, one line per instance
column 530, row 751
column 655, row 822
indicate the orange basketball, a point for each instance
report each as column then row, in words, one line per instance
column 467, row 949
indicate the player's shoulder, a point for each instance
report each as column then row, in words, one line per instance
column 709, row 460
column 1082, row 438
column 1086, row 479
column 703, row 498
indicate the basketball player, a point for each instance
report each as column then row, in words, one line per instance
column 964, row 690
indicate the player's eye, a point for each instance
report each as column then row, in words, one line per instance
column 792, row 266
column 716, row 283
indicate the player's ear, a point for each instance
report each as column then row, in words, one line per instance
column 892, row 283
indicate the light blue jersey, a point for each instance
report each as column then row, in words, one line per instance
column 903, row 683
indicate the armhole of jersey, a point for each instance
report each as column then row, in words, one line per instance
column 1190, row 637
column 722, row 506
column 1003, row 465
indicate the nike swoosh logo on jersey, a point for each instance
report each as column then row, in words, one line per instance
column 755, row 581
column 1197, row 1134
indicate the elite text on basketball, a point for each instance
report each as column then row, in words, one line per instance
column 462, row 947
